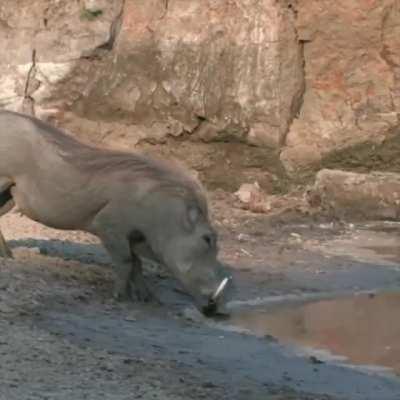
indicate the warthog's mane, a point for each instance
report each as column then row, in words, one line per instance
column 165, row 175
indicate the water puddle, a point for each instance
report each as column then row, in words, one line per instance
column 363, row 329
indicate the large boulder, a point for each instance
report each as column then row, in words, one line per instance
column 210, row 69
column 355, row 196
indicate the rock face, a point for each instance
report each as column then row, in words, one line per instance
column 47, row 46
column 299, row 78
column 352, row 67
column 355, row 196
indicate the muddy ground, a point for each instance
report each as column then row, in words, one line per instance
column 63, row 337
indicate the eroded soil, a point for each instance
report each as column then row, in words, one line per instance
column 63, row 337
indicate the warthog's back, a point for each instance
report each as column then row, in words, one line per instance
column 56, row 175
column 17, row 135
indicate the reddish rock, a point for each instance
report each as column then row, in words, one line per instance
column 253, row 198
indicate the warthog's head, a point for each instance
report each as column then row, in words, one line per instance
column 186, row 243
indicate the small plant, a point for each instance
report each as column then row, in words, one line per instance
column 90, row 15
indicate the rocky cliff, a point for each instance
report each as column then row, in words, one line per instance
column 281, row 84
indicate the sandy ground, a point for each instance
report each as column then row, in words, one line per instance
column 63, row 337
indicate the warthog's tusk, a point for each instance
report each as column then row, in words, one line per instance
column 220, row 289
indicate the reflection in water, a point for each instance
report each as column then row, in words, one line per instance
column 363, row 328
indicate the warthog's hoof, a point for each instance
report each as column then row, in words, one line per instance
column 136, row 293
column 141, row 293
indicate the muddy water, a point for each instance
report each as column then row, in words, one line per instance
column 364, row 329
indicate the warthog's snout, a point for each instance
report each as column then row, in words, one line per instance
column 186, row 243
column 215, row 304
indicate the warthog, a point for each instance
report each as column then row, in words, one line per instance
column 133, row 203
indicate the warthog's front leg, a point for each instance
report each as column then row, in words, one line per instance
column 138, row 288
column 129, row 280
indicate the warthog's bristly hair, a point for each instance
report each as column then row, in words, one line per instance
column 167, row 175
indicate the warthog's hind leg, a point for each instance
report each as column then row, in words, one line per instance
column 6, row 204
column 4, row 249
